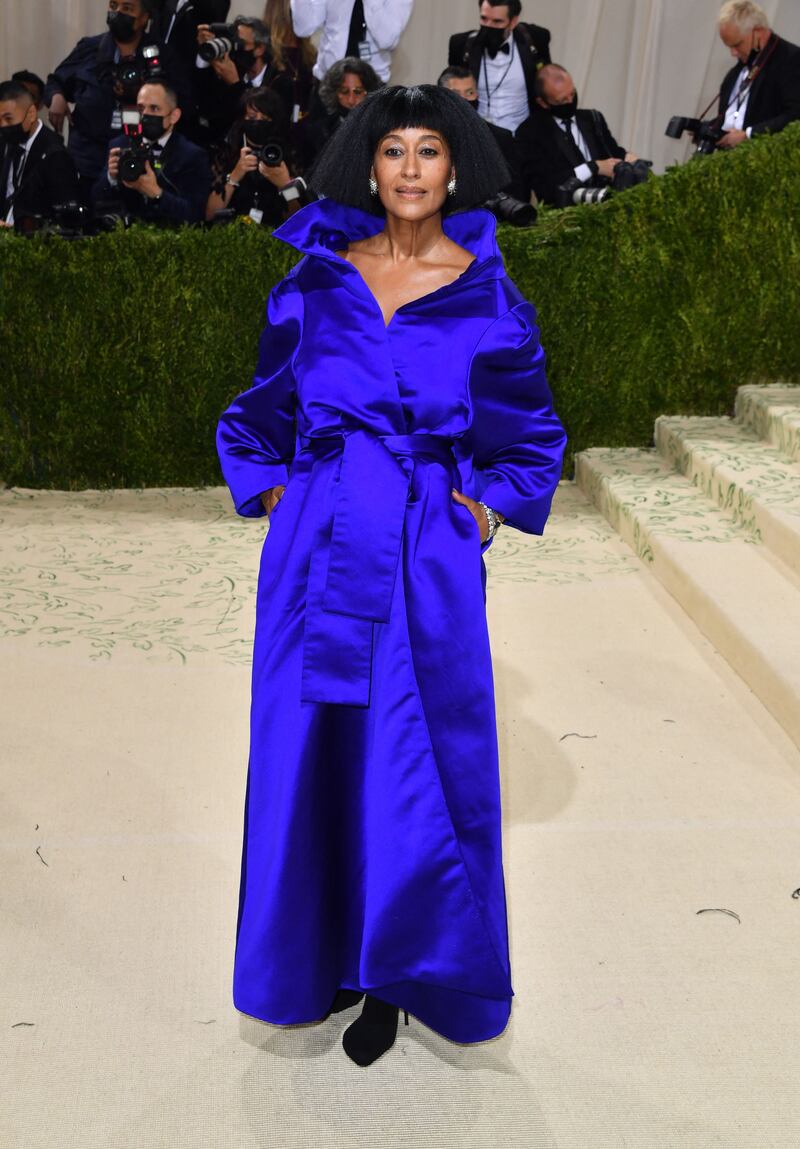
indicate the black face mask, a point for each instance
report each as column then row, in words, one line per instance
column 492, row 39
column 121, row 26
column 259, row 132
column 244, row 59
column 473, row 104
column 13, row 136
column 153, row 127
column 564, row 111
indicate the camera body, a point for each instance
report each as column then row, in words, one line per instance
column 705, row 133
column 225, row 41
column 129, row 74
column 133, row 158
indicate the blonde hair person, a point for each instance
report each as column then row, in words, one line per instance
column 744, row 14
column 278, row 18
column 761, row 93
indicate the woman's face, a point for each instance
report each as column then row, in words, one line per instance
column 251, row 113
column 412, row 167
column 351, row 91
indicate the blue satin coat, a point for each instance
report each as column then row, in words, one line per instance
column 372, row 846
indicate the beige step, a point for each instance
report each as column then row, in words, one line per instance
column 772, row 411
column 746, row 477
column 743, row 600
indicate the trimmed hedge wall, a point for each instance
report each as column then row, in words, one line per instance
column 120, row 352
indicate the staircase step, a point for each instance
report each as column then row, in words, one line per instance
column 747, row 478
column 772, row 412
column 746, row 604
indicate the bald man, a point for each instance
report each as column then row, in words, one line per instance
column 761, row 93
column 560, row 141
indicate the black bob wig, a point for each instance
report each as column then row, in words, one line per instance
column 342, row 170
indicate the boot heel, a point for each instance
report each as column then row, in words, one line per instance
column 405, row 1015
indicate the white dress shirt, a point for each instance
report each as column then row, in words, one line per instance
column 10, row 183
column 737, row 109
column 502, row 92
column 386, row 21
column 582, row 172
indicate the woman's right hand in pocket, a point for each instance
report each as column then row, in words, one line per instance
column 271, row 497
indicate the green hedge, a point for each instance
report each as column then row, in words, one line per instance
column 120, row 352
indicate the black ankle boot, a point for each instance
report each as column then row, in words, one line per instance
column 373, row 1032
column 345, row 999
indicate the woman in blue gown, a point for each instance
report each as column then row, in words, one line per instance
column 399, row 411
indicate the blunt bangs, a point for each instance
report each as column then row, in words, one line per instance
column 342, row 169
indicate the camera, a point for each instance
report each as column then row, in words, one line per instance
column 626, row 175
column 133, row 159
column 507, row 209
column 267, row 145
column 69, row 220
column 129, row 74
column 705, row 133
column 225, row 41
column 575, row 191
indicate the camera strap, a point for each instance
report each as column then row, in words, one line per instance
column 758, row 66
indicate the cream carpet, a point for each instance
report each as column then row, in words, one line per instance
column 652, row 817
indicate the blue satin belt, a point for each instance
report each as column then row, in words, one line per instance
column 355, row 556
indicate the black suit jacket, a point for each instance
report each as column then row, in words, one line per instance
column 185, row 176
column 532, row 42
column 775, row 93
column 48, row 178
column 548, row 156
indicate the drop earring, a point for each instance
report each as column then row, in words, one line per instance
column 451, row 187
column 373, row 186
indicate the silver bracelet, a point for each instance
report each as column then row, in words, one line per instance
column 493, row 520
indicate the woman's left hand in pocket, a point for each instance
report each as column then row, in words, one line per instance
column 477, row 512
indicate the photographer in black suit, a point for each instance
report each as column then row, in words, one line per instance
column 101, row 76
column 36, row 171
column 761, row 93
column 504, row 56
column 560, row 142
column 175, row 183
column 176, row 23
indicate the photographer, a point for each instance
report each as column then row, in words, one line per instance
column 560, row 144
column 173, row 185
column 515, row 197
column 253, row 170
column 241, row 61
column 761, row 93
column 504, row 56
column 101, row 76
column 36, row 172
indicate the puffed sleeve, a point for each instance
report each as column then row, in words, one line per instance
column 256, row 435
column 511, row 456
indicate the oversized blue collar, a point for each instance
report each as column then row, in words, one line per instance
column 327, row 226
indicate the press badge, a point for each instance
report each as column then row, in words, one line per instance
column 364, row 50
column 116, row 120
column 256, row 214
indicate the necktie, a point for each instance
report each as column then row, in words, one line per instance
column 358, row 29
